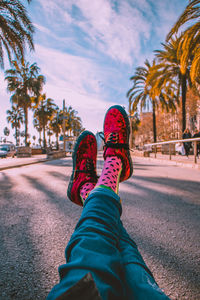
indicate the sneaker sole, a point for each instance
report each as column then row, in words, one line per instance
column 76, row 146
column 125, row 116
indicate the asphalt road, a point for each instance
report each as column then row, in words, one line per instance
column 160, row 212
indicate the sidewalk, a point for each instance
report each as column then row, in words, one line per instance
column 178, row 160
column 8, row 163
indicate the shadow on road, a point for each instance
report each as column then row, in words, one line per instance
column 26, row 241
column 65, row 162
column 162, row 216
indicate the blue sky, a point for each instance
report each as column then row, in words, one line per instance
column 88, row 50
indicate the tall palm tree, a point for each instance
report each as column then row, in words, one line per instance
column 76, row 126
column 25, row 85
column 189, row 50
column 56, row 125
column 49, row 133
column 70, row 114
column 143, row 92
column 16, row 29
column 44, row 113
column 172, row 70
column 38, row 126
column 15, row 117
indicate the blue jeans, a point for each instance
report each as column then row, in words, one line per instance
column 100, row 245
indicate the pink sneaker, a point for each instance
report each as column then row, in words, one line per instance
column 116, row 135
column 84, row 165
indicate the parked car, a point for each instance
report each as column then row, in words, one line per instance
column 7, row 150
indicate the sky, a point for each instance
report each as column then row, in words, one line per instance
column 88, row 50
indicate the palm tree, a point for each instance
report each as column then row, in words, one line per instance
column 16, row 29
column 15, row 117
column 25, row 85
column 56, row 125
column 38, row 126
column 34, row 138
column 44, row 113
column 49, row 133
column 76, row 126
column 6, row 131
column 172, row 71
column 189, row 50
column 143, row 92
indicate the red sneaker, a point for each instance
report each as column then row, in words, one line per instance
column 84, row 165
column 116, row 137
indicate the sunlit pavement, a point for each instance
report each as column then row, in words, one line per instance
column 160, row 211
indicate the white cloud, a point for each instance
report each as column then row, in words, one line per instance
column 116, row 33
column 78, row 81
column 68, row 70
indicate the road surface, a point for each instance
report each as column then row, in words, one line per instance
column 160, row 212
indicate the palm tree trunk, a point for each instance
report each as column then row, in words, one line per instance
column 40, row 138
column 154, row 123
column 57, row 147
column 183, row 90
column 44, row 138
column 26, row 124
column 16, row 135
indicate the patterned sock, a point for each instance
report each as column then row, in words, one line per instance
column 86, row 189
column 111, row 174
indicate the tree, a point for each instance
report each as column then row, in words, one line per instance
column 38, row 126
column 189, row 50
column 16, row 30
column 44, row 113
column 77, row 127
column 6, row 131
column 56, row 125
column 34, row 138
column 25, row 85
column 49, row 133
column 71, row 116
column 172, row 71
column 15, row 117
column 142, row 92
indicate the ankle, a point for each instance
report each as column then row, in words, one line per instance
column 111, row 173
column 85, row 189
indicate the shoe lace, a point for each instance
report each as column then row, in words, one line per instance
column 89, row 168
column 112, row 141
column 113, row 137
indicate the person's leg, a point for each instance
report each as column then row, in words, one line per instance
column 138, row 279
column 94, row 245
column 185, row 147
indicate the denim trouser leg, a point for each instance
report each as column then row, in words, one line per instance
column 93, row 247
column 138, row 279
column 100, row 245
